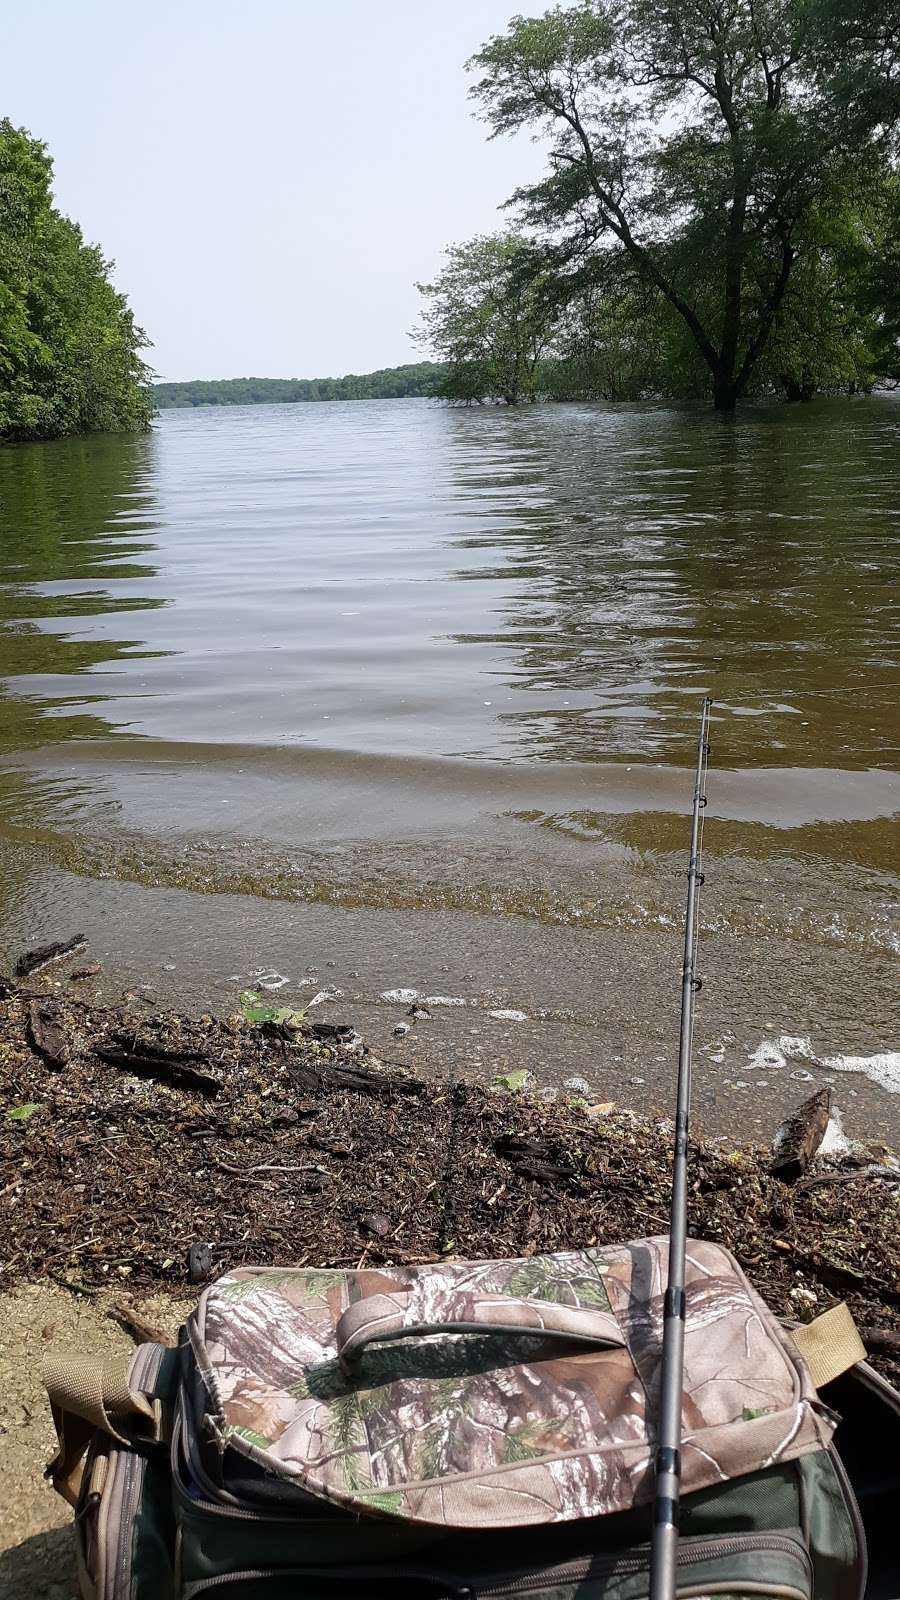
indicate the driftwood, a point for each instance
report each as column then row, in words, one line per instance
column 179, row 1069
column 36, row 960
column 801, row 1136
column 45, row 1032
column 328, row 1075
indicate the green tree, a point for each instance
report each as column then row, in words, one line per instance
column 696, row 139
column 489, row 316
column 70, row 359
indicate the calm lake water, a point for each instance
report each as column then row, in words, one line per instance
column 420, row 686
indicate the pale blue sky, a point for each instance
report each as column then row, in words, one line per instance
column 270, row 178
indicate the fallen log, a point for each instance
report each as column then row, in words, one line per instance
column 44, row 955
column 46, row 1034
column 799, row 1139
column 178, row 1069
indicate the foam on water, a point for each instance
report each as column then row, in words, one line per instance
column 882, row 1068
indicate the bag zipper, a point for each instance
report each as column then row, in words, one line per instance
column 688, row 1554
column 458, row 1588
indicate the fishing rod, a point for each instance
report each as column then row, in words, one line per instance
column 664, row 1549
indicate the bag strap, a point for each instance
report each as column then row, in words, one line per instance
column 829, row 1345
column 405, row 1314
column 88, row 1396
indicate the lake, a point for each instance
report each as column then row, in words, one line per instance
column 385, row 696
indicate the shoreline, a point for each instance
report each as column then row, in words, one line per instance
column 135, row 1135
column 271, row 1135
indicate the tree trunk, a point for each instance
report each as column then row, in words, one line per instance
column 725, row 394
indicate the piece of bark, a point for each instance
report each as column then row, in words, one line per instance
column 879, row 1338
column 89, row 970
column 339, row 1033
column 178, row 1069
column 46, row 1033
column 376, row 1223
column 801, row 1136
column 44, row 955
column 515, row 1148
column 544, row 1171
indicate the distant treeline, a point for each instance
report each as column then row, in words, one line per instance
column 422, row 378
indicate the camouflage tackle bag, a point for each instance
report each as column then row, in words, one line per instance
column 461, row 1429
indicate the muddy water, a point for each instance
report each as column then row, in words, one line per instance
column 383, row 697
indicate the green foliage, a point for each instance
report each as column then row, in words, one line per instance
column 420, row 379
column 489, row 316
column 255, row 1009
column 715, row 157
column 69, row 349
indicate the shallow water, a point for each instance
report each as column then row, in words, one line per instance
column 441, row 668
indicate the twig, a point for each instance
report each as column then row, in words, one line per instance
column 141, row 1330
column 849, row 1177
column 64, row 1283
column 266, row 1166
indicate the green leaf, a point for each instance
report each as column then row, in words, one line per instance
column 750, row 1415
column 22, row 1113
column 514, row 1081
column 255, row 1009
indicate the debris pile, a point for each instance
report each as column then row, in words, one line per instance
column 148, row 1151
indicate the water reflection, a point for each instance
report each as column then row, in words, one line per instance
column 76, row 522
column 651, row 555
column 399, row 578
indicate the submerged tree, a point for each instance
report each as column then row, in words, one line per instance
column 696, row 139
column 489, row 316
column 70, row 357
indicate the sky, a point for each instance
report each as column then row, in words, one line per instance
column 271, row 177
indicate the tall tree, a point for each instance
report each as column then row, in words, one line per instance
column 70, row 353
column 697, row 138
column 489, row 315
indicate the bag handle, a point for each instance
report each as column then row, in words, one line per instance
column 88, row 1396
column 414, row 1315
column 830, row 1344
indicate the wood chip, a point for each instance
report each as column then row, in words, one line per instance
column 801, row 1136
column 46, row 1033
